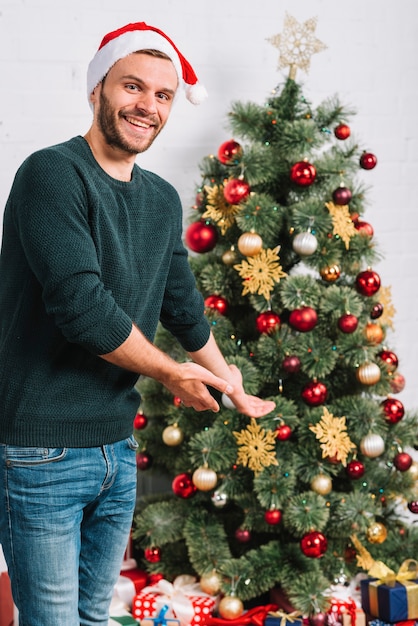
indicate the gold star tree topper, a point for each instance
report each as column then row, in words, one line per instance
column 297, row 44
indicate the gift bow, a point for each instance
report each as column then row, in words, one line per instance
column 256, row 616
column 408, row 571
column 286, row 617
column 175, row 596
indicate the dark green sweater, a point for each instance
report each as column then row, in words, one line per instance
column 83, row 256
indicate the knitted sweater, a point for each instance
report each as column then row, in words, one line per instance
column 83, row 256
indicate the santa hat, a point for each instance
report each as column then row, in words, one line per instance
column 133, row 38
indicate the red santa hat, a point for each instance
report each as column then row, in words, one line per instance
column 133, row 38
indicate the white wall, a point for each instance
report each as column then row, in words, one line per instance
column 371, row 62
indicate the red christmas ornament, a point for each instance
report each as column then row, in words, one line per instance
column 347, row 323
column 303, row 173
column 236, row 190
column 397, row 383
column 364, row 228
column 355, row 469
column 368, row 161
column 267, row 322
column 154, row 578
column 143, row 460
column 342, row 131
column 303, row 319
column 413, row 506
column 390, row 359
column 140, row 421
column 201, row 237
column 402, row 461
column 291, row 364
column 183, row 486
column 368, row 283
column 177, row 401
column 283, row 432
column 318, row 619
column 230, row 152
column 273, row 517
column 242, row 535
column 393, row 409
column 314, row 544
column 342, row 196
column 377, row 311
column 218, row 303
column 152, row 555
column 314, row 393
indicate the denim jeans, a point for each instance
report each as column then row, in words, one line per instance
column 65, row 518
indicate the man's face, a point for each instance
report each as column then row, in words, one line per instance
column 133, row 103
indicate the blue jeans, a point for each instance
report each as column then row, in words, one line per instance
column 65, row 518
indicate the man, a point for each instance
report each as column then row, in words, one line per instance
column 91, row 260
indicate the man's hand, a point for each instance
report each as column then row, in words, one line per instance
column 244, row 403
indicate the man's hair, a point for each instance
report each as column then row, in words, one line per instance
column 151, row 52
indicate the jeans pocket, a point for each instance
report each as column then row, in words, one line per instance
column 132, row 443
column 24, row 456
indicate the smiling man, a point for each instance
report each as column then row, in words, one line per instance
column 92, row 259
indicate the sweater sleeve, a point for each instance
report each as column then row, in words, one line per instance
column 50, row 214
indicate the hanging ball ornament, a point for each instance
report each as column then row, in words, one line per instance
column 397, row 383
column 374, row 333
column 152, row 555
column 230, row 152
column 217, row 303
column 413, row 507
column 402, row 461
column 368, row 161
column 219, row 499
column 236, row 190
column 201, row 237
column 364, row 228
column 376, row 533
column 250, row 244
column 229, row 257
column 210, row 583
column 291, row 364
column 230, row 607
column 372, row 445
column 390, row 359
column 242, row 535
column 393, row 409
column 227, row 402
column 342, row 196
column 342, row 131
column 283, row 432
column 267, row 322
column 143, row 460
column 355, row 469
column 273, row 517
column 204, row 478
column 321, row 484
column 305, row 244
column 318, row 619
column 377, row 311
column 183, row 486
column 172, row 435
column 330, row 274
column 368, row 373
column 314, row 544
column 347, row 323
column 368, row 282
column 314, row 393
column 303, row 173
column 303, row 319
column 140, row 421
column 413, row 470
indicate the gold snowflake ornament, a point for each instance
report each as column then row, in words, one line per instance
column 342, row 223
column 389, row 311
column 331, row 432
column 261, row 272
column 218, row 209
column 297, row 44
column 257, row 447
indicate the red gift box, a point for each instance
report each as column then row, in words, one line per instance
column 6, row 602
column 185, row 599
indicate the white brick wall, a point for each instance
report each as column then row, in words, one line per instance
column 371, row 62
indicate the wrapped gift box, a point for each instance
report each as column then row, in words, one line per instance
column 279, row 618
column 378, row 622
column 186, row 601
column 395, row 602
column 358, row 618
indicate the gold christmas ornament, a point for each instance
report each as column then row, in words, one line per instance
column 374, row 333
column 229, row 257
column 230, row 607
column 250, row 244
column 322, row 484
column 376, row 533
column 330, row 274
column 218, row 209
column 204, row 478
column 332, row 433
column 256, row 447
column 210, row 583
column 343, row 225
column 261, row 272
column 413, row 470
column 372, row 445
column 172, row 435
column 368, row 373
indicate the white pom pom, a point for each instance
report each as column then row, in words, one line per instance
column 196, row 94
column 227, row 402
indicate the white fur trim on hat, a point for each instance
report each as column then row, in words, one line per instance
column 133, row 38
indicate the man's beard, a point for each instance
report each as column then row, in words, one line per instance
column 107, row 124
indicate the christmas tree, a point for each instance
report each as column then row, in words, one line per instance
column 287, row 266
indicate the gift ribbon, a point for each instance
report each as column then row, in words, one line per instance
column 256, row 616
column 175, row 596
column 286, row 617
column 407, row 573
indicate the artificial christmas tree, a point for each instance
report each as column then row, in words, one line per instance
column 287, row 266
